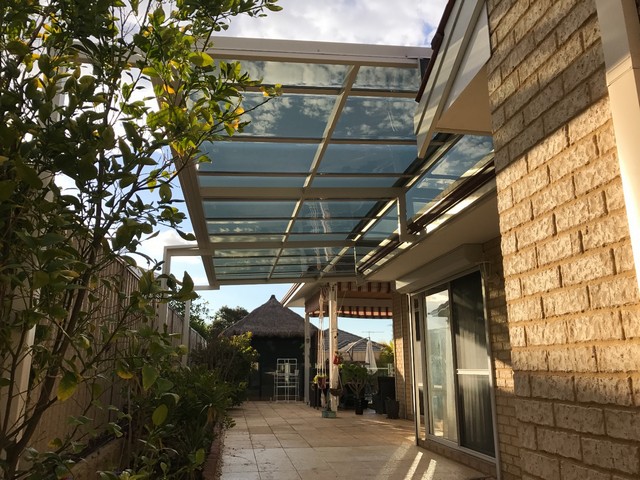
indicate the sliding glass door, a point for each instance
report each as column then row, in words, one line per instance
column 458, row 396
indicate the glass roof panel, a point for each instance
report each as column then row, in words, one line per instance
column 240, row 268
column 336, row 208
column 247, row 226
column 258, row 157
column 376, row 118
column 291, row 115
column 385, row 227
column 247, row 181
column 359, row 181
column 317, row 252
column 319, row 237
column 297, row 74
column 222, row 262
column 453, row 165
column 246, row 238
column 362, row 158
column 258, row 252
column 247, row 209
column 328, row 225
column 387, row 78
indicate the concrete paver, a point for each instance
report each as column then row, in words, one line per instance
column 291, row 441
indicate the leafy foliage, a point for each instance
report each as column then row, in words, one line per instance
column 225, row 317
column 199, row 315
column 76, row 111
column 232, row 358
column 356, row 377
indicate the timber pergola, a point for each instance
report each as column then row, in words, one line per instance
column 325, row 186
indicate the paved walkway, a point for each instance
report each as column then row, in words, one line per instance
column 291, row 441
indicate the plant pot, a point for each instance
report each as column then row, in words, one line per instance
column 361, row 403
column 393, row 408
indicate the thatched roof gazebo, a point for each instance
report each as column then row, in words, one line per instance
column 270, row 320
column 278, row 336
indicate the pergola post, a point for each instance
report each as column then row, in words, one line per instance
column 307, row 356
column 333, row 342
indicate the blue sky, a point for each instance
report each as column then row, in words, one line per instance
column 408, row 22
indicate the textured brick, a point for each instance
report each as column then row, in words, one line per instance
column 570, row 106
column 547, row 149
column 587, row 64
column 597, row 174
column 559, row 443
column 614, row 292
column 576, row 156
column 543, row 51
column 581, row 211
column 614, row 196
column 594, row 326
column 552, row 387
column 610, row 230
column 558, row 62
column 553, row 197
column 548, row 333
column 527, row 436
column 565, row 301
column 533, row 182
column 623, row 424
column 541, row 281
column 571, row 471
column 606, row 139
column 572, row 359
column 612, row 455
column 517, row 336
column 540, row 465
column 527, row 138
column 579, row 419
column 623, row 256
column 526, row 309
column 631, row 323
column 572, row 22
column 589, row 121
column 530, row 360
column 624, row 357
column 604, row 390
column 533, row 411
column 536, row 231
column 512, row 288
column 516, row 216
column 558, row 248
column 587, row 267
column 512, row 127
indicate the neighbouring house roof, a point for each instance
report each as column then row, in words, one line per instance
column 347, row 338
column 270, row 320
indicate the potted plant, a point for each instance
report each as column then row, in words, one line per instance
column 356, row 377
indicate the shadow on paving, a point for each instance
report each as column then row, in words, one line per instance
column 291, row 441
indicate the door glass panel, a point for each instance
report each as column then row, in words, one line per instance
column 441, row 387
column 418, row 347
column 476, row 425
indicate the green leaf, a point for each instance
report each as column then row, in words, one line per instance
column 149, row 376
column 164, row 385
column 200, row 456
column 4, row 382
column 40, row 279
column 201, row 59
column 67, row 386
column 160, row 415
column 17, row 47
column 165, row 192
column 28, row 174
column 6, row 189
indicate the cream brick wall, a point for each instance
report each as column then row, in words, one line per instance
column 401, row 339
column 570, row 286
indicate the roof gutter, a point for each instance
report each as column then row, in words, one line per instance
column 436, row 42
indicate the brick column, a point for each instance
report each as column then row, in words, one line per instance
column 570, row 284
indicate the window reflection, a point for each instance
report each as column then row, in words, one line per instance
column 468, row 152
column 379, row 118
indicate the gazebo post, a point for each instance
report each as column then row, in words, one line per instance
column 333, row 336
column 307, row 356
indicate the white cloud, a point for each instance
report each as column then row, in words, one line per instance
column 408, row 22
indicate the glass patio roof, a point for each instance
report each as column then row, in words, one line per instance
column 326, row 175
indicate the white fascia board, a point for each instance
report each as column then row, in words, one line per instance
column 317, row 52
column 458, row 34
column 475, row 57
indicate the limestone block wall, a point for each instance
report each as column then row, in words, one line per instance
column 402, row 346
column 571, row 292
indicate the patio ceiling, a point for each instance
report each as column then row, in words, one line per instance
column 325, row 180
